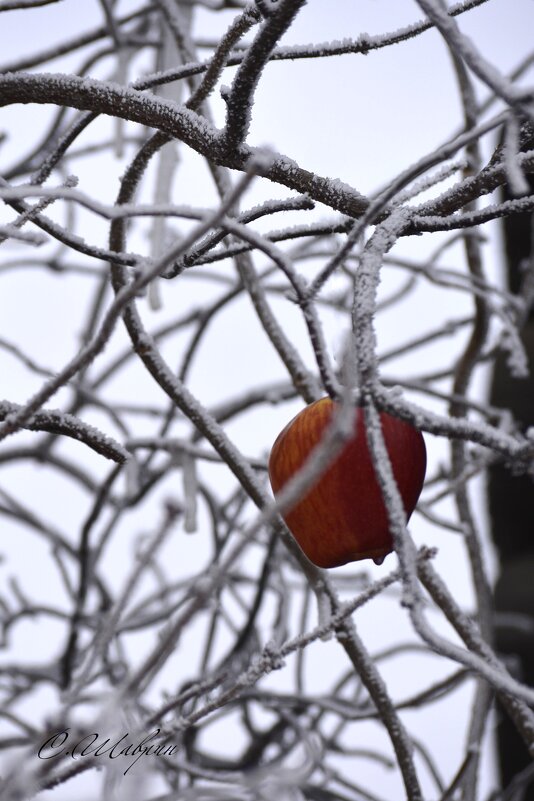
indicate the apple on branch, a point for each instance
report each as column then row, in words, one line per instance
column 343, row 517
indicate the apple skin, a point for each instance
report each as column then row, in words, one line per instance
column 343, row 518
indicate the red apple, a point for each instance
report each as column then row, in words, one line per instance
column 343, row 518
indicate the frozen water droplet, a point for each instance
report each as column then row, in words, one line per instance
column 378, row 560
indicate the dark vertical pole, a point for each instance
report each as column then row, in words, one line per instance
column 511, row 507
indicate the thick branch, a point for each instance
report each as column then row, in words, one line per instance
column 177, row 121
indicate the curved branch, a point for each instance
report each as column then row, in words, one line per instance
column 56, row 422
column 105, row 97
